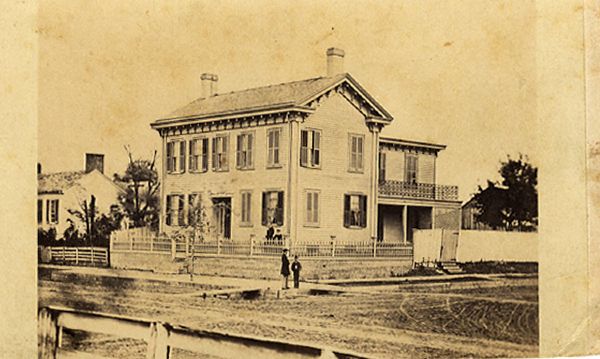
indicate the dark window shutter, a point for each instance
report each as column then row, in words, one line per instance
column 304, row 148
column 168, row 211
column 346, row 210
column 279, row 211
column 264, row 208
column 205, row 154
column 215, row 164
column 238, row 153
column 225, row 153
column 250, row 150
column 363, row 211
column 182, row 156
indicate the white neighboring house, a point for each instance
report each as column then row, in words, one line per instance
column 63, row 191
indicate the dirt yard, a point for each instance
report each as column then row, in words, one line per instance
column 464, row 321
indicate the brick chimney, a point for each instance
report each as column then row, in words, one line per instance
column 209, row 84
column 335, row 61
column 94, row 161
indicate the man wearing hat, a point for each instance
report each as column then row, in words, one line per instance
column 285, row 268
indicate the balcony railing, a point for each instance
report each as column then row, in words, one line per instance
column 428, row 191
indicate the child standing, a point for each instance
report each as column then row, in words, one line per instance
column 296, row 267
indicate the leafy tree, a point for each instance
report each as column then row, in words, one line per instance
column 140, row 202
column 512, row 203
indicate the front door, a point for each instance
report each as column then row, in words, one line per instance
column 449, row 245
column 222, row 216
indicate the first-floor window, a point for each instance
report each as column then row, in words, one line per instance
column 52, row 211
column 312, row 207
column 355, row 210
column 246, row 207
column 272, row 208
column 175, row 214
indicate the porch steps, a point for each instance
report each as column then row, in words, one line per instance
column 451, row 268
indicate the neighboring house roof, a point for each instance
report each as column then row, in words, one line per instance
column 59, row 182
column 486, row 191
column 296, row 95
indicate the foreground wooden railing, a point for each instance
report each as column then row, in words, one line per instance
column 162, row 337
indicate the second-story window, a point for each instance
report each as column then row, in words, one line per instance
column 220, row 153
column 198, row 155
column 356, row 153
column 411, row 168
column 310, row 148
column 176, row 156
column 245, row 145
column 273, row 137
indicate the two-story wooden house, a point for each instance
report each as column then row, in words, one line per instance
column 305, row 157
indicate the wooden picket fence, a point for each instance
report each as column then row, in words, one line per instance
column 95, row 256
column 161, row 338
column 134, row 241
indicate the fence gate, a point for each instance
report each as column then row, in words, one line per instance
column 449, row 245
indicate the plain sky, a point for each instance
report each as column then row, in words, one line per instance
column 460, row 73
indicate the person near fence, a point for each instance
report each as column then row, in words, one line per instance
column 278, row 237
column 270, row 232
column 296, row 268
column 285, row 269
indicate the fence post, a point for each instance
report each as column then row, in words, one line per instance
column 218, row 245
column 76, row 255
column 173, row 248
column 251, row 244
column 92, row 255
column 110, row 242
column 187, row 246
column 151, row 243
column 374, row 247
column 157, row 342
column 64, row 254
column 130, row 241
column 47, row 335
column 333, row 246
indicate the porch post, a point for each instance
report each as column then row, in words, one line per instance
column 292, row 190
column 374, row 178
column 163, row 177
column 404, row 224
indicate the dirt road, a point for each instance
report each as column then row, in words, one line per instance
column 480, row 322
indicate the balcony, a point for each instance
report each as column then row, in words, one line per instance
column 427, row 191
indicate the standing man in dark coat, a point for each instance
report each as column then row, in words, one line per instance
column 296, row 267
column 285, row 269
column 270, row 232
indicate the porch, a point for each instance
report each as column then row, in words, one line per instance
column 424, row 191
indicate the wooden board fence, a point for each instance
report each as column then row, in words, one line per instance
column 162, row 337
column 96, row 256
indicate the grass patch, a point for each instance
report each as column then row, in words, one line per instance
column 492, row 267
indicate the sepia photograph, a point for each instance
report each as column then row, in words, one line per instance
column 287, row 179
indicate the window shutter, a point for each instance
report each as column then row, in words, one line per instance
column 264, row 208
column 315, row 207
column 279, row 211
column 363, row 211
column 316, row 160
column 215, row 164
column 276, row 147
column 270, row 147
column 182, row 156
column 304, row 148
column 249, row 158
column 238, row 152
column 205, row 154
column 346, row 211
column 309, row 207
column 359, row 154
column 168, row 211
column 56, row 211
column 225, row 153
column 191, row 154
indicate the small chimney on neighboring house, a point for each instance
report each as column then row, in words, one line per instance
column 335, row 61
column 94, row 161
column 39, row 168
column 209, row 84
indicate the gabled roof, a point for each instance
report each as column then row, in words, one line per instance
column 280, row 97
column 59, row 182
